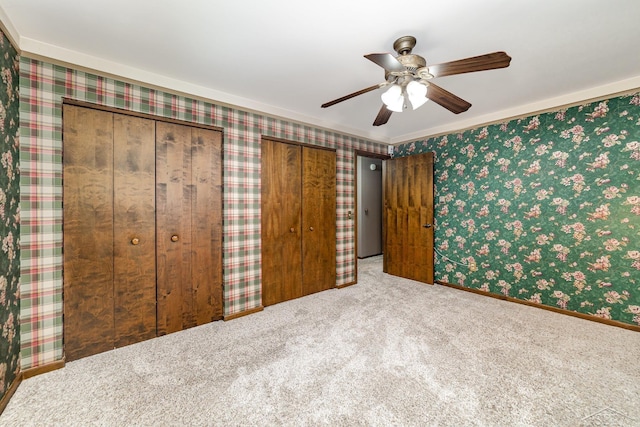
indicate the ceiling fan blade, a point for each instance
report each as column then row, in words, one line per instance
column 383, row 116
column 386, row 61
column 446, row 99
column 490, row 61
column 351, row 95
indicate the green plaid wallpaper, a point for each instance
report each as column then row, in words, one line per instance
column 544, row 208
column 9, row 216
column 43, row 85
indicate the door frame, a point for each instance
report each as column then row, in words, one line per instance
column 302, row 145
column 354, row 218
column 117, row 110
column 155, row 118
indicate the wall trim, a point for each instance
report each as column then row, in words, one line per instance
column 56, row 55
column 293, row 142
column 37, row 49
column 40, row 50
column 363, row 153
column 10, row 391
column 242, row 313
column 9, row 30
column 43, row 369
column 542, row 306
column 600, row 93
column 123, row 111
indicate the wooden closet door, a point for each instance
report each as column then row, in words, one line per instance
column 134, row 262
column 173, row 227
column 281, row 215
column 87, row 231
column 188, row 226
column 206, row 224
column 318, row 220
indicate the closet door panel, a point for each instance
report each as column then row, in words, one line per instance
column 87, row 231
column 206, row 224
column 281, row 215
column 318, row 220
column 173, row 227
column 134, row 229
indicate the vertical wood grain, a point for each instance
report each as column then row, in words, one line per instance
column 206, row 228
column 281, row 222
column 87, row 232
column 408, row 206
column 134, row 217
column 117, row 189
column 173, row 214
column 426, row 249
column 318, row 220
column 189, row 206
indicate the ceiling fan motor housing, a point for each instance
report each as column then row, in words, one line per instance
column 415, row 69
column 404, row 45
column 412, row 62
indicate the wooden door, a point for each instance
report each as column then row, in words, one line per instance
column 408, row 217
column 134, row 258
column 206, row 225
column 87, row 232
column 110, row 237
column 318, row 220
column 173, row 226
column 281, row 222
column 188, row 226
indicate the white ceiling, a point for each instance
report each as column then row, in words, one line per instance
column 287, row 57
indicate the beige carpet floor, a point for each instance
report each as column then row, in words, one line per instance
column 384, row 352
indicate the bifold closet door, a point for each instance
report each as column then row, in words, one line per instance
column 281, row 222
column 87, row 232
column 134, row 258
column 109, row 233
column 298, row 221
column 318, row 220
column 206, row 224
column 188, row 226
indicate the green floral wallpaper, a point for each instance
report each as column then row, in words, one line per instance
column 544, row 208
column 9, row 216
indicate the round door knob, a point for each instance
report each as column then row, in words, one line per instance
column 293, row 230
column 427, row 226
column 135, row 241
column 175, row 238
column 311, row 228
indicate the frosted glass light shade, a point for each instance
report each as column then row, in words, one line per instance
column 417, row 94
column 393, row 98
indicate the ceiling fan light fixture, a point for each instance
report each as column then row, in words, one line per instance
column 417, row 94
column 393, row 98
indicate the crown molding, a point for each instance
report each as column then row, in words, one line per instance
column 40, row 50
column 66, row 57
column 9, row 29
column 550, row 104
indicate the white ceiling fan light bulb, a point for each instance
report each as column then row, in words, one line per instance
column 419, row 102
column 397, row 106
column 393, row 98
column 417, row 94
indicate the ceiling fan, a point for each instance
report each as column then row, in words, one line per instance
column 407, row 78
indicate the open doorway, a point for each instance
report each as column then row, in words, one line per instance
column 369, row 206
column 404, row 231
